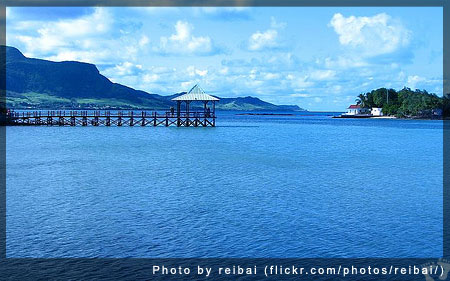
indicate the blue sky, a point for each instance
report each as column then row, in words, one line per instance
column 317, row 57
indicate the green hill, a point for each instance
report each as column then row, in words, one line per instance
column 42, row 84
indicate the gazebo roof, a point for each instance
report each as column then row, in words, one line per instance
column 196, row 93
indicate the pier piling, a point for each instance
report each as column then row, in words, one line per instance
column 109, row 118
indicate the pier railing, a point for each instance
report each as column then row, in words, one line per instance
column 110, row 118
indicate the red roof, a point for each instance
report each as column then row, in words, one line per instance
column 354, row 106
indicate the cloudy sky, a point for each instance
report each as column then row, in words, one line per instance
column 317, row 58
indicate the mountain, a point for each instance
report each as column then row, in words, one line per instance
column 37, row 83
column 252, row 103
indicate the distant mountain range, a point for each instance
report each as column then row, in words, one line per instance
column 42, row 84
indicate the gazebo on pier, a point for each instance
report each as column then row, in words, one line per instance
column 189, row 117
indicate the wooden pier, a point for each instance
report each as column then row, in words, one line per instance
column 111, row 118
column 183, row 116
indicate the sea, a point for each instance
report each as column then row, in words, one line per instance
column 268, row 186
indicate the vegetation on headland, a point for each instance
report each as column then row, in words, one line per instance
column 405, row 103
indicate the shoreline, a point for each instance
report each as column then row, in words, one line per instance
column 365, row 117
column 389, row 117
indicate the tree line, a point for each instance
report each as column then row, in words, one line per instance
column 404, row 103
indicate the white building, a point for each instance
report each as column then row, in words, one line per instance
column 355, row 109
column 377, row 111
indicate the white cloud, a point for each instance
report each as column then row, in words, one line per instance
column 432, row 84
column 63, row 33
column 271, row 76
column 127, row 68
column 342, row 62
column 300, row 95
column 123, row 69
column 77, row 55
column 224, row 70
column 150, row 78
column 201, row 72
column 186, row 85
column 375, row 35
column 89, row 38
column 290, row 77
column 254, row 84
column 253, row 73
column 414, row 80
column 161, row 69
column 95, row 38
column 301, row 83
column 144, row 41
column 337, row 88
column 193, row 71
column 323, row 74
column 277, row 25
column 263, row 40
column 184, row 43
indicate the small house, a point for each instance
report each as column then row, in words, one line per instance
column 356, row 109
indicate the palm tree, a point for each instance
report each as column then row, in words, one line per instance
column 361, row 100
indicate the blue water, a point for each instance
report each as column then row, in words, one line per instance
column 254, row 186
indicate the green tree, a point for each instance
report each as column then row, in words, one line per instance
column 361, row 100
column 405, row 102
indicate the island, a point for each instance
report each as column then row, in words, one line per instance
column 405, row 103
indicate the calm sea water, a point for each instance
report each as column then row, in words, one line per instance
column 254, row 186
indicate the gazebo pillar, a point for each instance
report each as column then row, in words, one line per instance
column 178, row 113
column 214, row 113
column 205, row 103
column 187, row 113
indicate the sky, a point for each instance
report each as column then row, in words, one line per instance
column 319, row 58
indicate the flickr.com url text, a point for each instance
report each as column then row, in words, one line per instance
column 435, row 269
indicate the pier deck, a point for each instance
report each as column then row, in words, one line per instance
column 110, row 118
